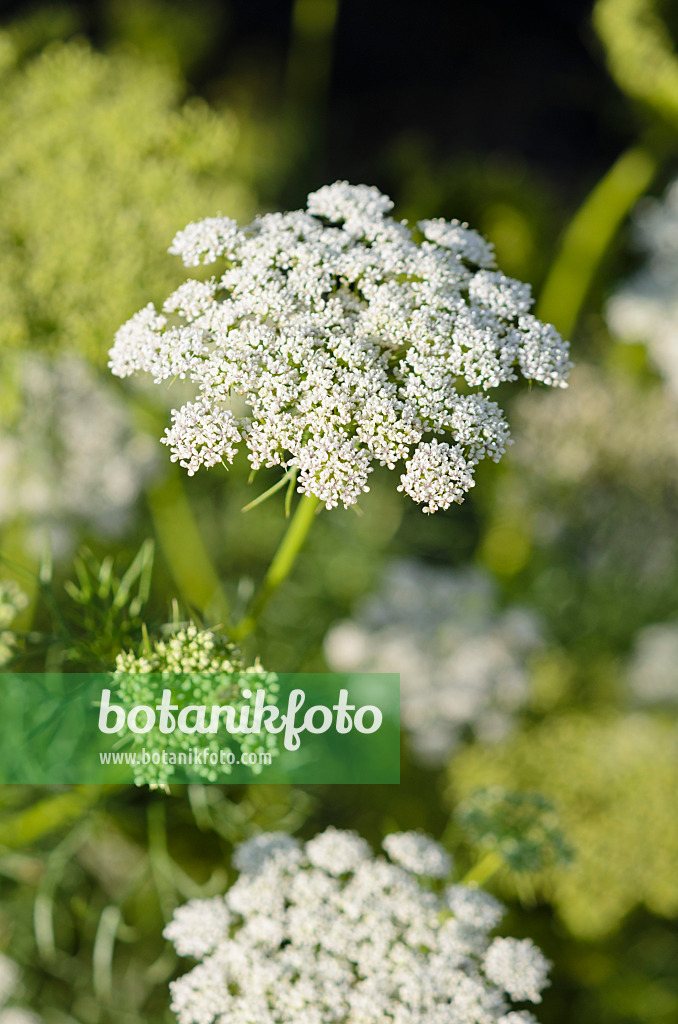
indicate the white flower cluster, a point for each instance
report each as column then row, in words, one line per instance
column 9, row 981
column 652, row 672
column 351, row 342
column 69, row 452
column 12, row 601
column 462, row 662
column 645, row 309
column 326, row 932
column 418, row 853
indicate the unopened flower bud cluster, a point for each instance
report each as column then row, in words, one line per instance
column 354, row 341
column 200, row 667
column 326, row 932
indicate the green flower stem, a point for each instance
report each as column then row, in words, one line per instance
column 484, row 869
column 591, row 232
column 306, row 84
column 309, row 61
column 15, row 555
column 640, row 53
column 175, row 527
column 102, row 953
column 184, row 549
column 282, row 563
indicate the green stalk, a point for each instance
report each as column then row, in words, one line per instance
column 54, row 812
column 306, row 85
column 282, row 563
column 640, row 53
column 642, row 60
column 184, row 549
column 484, row 869
column 309, row 61
column 590, row 234
column 25, row 568
column 175, row 526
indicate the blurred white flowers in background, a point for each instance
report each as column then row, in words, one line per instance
column 9, row 978
column 596, row 478
column 12, row 601
column 645, row 308
column 608, row 426
column 462, row 661
column 70, row 455
column 652, row 672
column 354, row 341
column 9, row 982
column 326, row 932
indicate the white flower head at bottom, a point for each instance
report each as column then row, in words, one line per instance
column 328, row 932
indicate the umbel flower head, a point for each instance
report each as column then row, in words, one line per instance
column 353, row 340
column 327, row 932
column 200, row 667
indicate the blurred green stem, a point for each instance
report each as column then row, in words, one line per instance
column 309, row 60
column 188, row 559
column 282, row 563
column 184, row 549
column 640, row 53
column 590, row 233
column 15, row 553
column 484, row 869
column 54, row 812
column 102, row 953
column 175, row 525
column 55, row 866
column 306, row 85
